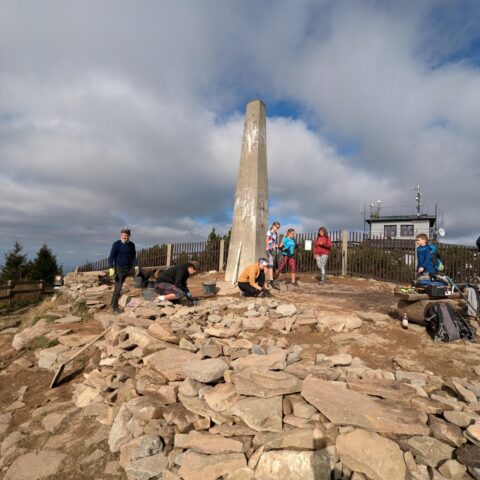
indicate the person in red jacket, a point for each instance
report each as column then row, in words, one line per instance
column 321, row 250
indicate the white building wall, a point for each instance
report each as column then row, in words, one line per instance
column 419, row 226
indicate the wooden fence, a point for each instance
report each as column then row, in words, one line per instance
column 13, row 289
column 352, row 253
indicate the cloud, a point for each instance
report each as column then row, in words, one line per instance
column 113, row 114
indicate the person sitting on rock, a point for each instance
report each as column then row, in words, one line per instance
column 251, row 282
column 172, row 283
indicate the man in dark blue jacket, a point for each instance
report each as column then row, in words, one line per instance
column 122, row 262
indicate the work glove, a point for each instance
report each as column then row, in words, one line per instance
column 111, row 272
column 137, row 270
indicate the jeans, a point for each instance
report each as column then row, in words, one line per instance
column 121, row 273
column 321, row 264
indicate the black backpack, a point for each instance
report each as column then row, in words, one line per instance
column 444, row 323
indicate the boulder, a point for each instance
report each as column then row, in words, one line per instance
column 288, row 465
column 221, row 397
column 142, row 458
column 205, row 371
column 446, row 432
column 196, row 466
column 119, row 433
column 261, row 414
column 162, row 332
column 370, row 453
column 264, row 383
column 22, row 339
column 453, row 469
column 383, row 416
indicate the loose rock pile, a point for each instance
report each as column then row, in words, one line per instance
column 217, row 391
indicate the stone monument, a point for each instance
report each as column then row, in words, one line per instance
column 250, row 212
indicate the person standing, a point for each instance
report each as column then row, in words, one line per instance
column 271, row 247
column 321, row 251
column 122, row 262
column 288, row 246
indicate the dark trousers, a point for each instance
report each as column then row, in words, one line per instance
column 250, row 291
column 121, row 273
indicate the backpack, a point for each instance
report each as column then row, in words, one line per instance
column 444, row 323
column 437, row 262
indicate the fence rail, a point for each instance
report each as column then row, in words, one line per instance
column 22, row 287
column 352, row 253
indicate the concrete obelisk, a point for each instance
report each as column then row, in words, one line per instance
column 250, row 212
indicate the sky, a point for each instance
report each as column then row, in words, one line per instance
column 119, row 112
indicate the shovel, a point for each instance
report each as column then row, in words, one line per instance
column 60, row 369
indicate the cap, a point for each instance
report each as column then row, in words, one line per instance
column 125, row 230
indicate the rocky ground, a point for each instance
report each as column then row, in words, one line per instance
column 317, row 382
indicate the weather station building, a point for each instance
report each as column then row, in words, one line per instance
column 402, row 223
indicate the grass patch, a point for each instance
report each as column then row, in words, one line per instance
column 41, row 342
column 80, row 309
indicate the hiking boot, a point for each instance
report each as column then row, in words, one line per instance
column 116, row 311
column 275, row 284
column 261, row 294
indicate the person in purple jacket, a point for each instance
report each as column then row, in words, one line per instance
column 122, row 262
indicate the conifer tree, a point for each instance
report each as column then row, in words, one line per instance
column 45, row 266
column 16, row 265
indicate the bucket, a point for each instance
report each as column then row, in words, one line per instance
column 138, row 282
column 149, row 294
column 209, row 288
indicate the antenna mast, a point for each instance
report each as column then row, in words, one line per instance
column 418, row 198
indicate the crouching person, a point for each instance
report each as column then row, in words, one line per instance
column 172, row 283
column 252, row 280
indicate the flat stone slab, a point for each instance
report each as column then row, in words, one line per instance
column 205, row 371
column 383, row 416
column 196, row 466
column 294, row 439
column 207, row 443
column 265, row 383
column 428, row 450
column 389, row 389
column 261, row 414
column 36, row 466
column 69, row 319
column 273, row 361
column 289, row 465
column 170, row 362
column 371, row 454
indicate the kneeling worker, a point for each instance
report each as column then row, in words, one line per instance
column 172, row 283
column 252, row 280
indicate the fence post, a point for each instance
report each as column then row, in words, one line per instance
column 222, row 253
column 169, row 254
column 10, row 291
column 344, row 252
column 40, row 287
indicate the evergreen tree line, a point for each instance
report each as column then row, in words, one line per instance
column 17, row 266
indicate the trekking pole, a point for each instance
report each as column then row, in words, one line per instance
column 464, row 297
